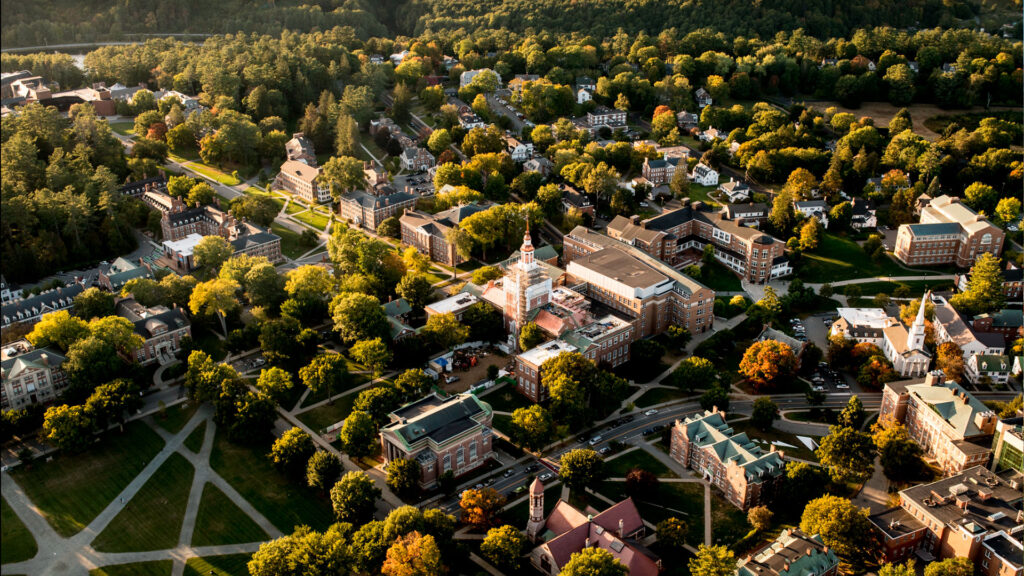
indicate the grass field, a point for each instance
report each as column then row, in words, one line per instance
column 506, row 399
column 316, row 220
column 194, row 442
column 123, row 128
column 659, row 395
column 719, row 278
column 152, row 519
column 291, row 246
column 213, row 173
column 619, row 467
column 799, row 450
column 256, row 192
column 230, row 565
column 18, row 543
column 728, row 523
column 221, row 522
column 838, row 258
column 702, row 193
column 326, row 414
column 73, row 489
column 152, row 568
column 176, row 416
column 286, row 504
column 916, row 287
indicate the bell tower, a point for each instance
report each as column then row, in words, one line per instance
column 536, row 523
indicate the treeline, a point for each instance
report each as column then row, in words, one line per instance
column 60, row 203
column 62, row 21
column 604, row 17
column 59, row 68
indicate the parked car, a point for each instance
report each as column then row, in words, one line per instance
column 604, row 451
column 651, row 412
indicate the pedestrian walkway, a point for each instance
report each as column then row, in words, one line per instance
column 874, row 495
column 75, row 556
column 683, row 472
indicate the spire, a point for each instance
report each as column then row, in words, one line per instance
column 920, row 311
column 916, row 334
column 526, row 250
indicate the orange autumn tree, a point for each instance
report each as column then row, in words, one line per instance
column 480, row 507
column 414, row 554
column 765, row 363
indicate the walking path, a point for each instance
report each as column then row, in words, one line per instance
column 682, row 472
column 874, row 495
column 76, row 556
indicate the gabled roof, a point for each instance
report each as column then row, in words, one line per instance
column 955, row 405
column 711, row 432
column 37, row 359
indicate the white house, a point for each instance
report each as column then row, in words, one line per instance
column 813, row 209
column 996, row 368
column 735, row 191
column 519, row 151
column 583, row 95
column 905, row 348
column 466, row 77
column 704, row 175
column 711, row 134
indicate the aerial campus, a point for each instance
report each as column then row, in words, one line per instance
column 708, row 288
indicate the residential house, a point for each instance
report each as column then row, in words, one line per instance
column 985, row 368
column 862, row 214
column 7, row 292
column 704, row 175
column 746, row 474
column 793, row 553
column 948, row 233
column 813, row 209
column 519, row 80
column 376, row 176
column 703, row 98
column 735, row 191
column 416, row 159
column 566, row 531
column 586, row 83
column 114, row 276
column 712, row 134
column 367, row 210
column 468, row 120
column 441, row 435
column 519, row 151
column 973, row 514
column 687, row 120
column 952, row 427
column 539, row 164
column 29, row 310
column 602, row 116
column 466, row 77
column 30, row 375
column 574, row 200
column 583, row 96
column 300, row 149
column 303, row 180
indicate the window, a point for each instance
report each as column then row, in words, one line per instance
column 460, row 457
column 447, row 462
column 472, row 451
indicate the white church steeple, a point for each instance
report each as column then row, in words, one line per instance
column 915, row 337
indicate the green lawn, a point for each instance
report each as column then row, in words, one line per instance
column 317, row 220
column 838, row 258
column 326, row 414
column 73, row 489
column 230, row 565
column 256, row 192
column 916, row 287
column 151, row 568
column 506, row 399
column 123, row 128
column 175, row 417
column 800, row 451
column 194, row 442
column 291, row 246
column 659, row 395
column 152, row 519
column 702, row 193
column 213, row 173
column 294, row 207
column 18, row 543
column 208, row 342
column 728, row 523
column 221, row 522
column 619, row 467
column 720, row 278
column 683, row 500
column 286, row 504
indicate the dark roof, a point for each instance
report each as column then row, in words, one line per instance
column 49, row 299
column 734, row 210
column 1005, row 547
column 669, row 220
column 996, row 512
column 367, row 200
column 187, row 215
column 896, row 522
column 436, row 418
column 138, row 186
column 173, row 319
column 935, row 229
column 255, row 239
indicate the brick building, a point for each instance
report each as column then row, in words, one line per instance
column 974, row 514
column 303, row 180
column 368, row 210
column 949, row 233
column 681, row 235
column 440, row 434
column 634, row 284
column 952, row 427
column 31, row 309
column 161, row 329
column 529, row 364
column 428, row 232
column 30, row 375
column 733, row 462
column 660, row 170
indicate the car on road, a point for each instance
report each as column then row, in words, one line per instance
column 605, row 451
column 520, row 489
column 451, row 379
column 581, row 438
column 595, row 440
column 819, row 388
column 843, row 386
column 647, row 431
column 531, row 468
column 651, row 412
column 545, row 476
column 508, row 473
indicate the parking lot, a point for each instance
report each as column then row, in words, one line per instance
column 418, row 183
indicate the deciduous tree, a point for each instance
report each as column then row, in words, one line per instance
column 843, row 527
column 481, row 507
column 581, row 468
column 593, row 562
column 713, row 561
column 322, row 471
column 359, row 435
column 503, row 546
column 354, row 498
column 292, row 451
column 847, row 453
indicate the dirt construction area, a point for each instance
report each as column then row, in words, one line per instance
column 882, row 112
column 468, row 378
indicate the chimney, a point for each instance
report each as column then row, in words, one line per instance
column 622, row 528
column 808, row 551
column 586, row 543
column 634, row 219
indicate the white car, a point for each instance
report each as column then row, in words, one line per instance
column 843, row 386
column 819, row 388
column 651, row 412
column 545, row 477
column 595, row 440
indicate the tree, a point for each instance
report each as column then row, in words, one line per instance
column 715, row 396
column 530, row 336
column 485, row 323
column 390, row 227
column 765, row 412
column 358, row 317
column 694, row 372
column 640, row 482
column 211, row 252
column 445, row 330
column 275, row 383
column 359, row 435
column 950, row 359
column 810, row 234
column 413, row 383
column 322, row 470
column 677, row 337
column 898, row 453
column 324, row 374
column 304, row 552
column 581, row 468
column 374, row 354
column 200, row 195
column 593, row 562
column 768, row 308
column 403, row 475
column 378, row 402
column 484, row 274
column 981, row 197
column 646, row 352
column 531, row 427
column 713, row 561
column 842, row 526
column 439, row 141
column 415, row 261
column 906, row 569
column 413, row 555
column 342, row 174
column 782, row 216
column 766, row 362
column 109, row 402
column 680, row 183
column 415, row 288
column 847, row 453
column 93, row 303
column 59, row 329
column 672, row 533
column 853, row 413
column 984, row 288
column 950, row 567
column 760, row 517
column 215, row 296
column 292, row 451
column 346, row 136
column 354, row 498
column 69, row 428
column 503, row 546
column 622, row 103
column 1008, row 210
column 480, row 508
column 803, row 483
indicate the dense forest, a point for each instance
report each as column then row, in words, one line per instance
column 63, row 21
